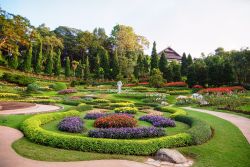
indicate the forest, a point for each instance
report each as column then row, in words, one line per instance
column 97, row 56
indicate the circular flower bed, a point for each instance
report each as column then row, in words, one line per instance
column 71, row 124
column 129, row 110
column 158, row 121
column 127, row 133
column 115, row 121
column 94, row 115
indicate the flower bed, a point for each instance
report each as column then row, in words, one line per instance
column 9, row 95
column 158, row 121
column 198, row 87
column 94, row 115
column 67, row 91
column 127, row 133
column 71, row 124
column 83, row 107
column 122, row 104
column 176, row 84
column 115, row 121
column 175, row 111
column 221, row 90
column 129, row 110
column 101, row 101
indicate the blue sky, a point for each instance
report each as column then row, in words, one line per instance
column 191, row 26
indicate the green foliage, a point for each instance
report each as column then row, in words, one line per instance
column 129, row 110
column 104, row 62
column 156, row 79
column 86, row 70
column 12, row 95
column 38, row 65
column 184, row 65
column 114, row 65
column 57, row 65
column 154, row 58
column 49, row 63
column 13, row 61
column 101, row 101
column 28, row 59
column 58, row 86
column 33, row 87
column 67, row 67
column 83, row 107
column 200, row 130
column 191, row 75
column 17, row 79
column 31, row 127
column 163, row 63
column 122, row 104
column 3, row 62
column 176, row 71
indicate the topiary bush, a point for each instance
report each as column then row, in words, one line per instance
column 33, row 87
column 127, row 133
column 129, row 110
column 58, row 86
column 158, row 121
column 115, row 121
column 71, row 124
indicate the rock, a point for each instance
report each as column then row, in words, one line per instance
column 170, row 155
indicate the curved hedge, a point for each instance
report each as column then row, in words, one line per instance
column 33, row 131
column 200, row 130
column 175, row 111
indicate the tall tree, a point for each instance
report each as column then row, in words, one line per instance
column 184, row 65
column 13, row 62
column 28, row 59
column 138, row 70
column 74, row 66
column 67, row 67
column 154, row 57
column 38, row 65
column 191, row 76
column 86, row 70
column 176, row 71
column 169, row 73
column 189, row 60
column 114, row 65
column 104, row 62
column 163, row 65
column 58, row 66
column 49, row 63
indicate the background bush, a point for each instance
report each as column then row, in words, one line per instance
column 17, row 79
column 58, row 86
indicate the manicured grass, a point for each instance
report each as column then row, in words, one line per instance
column 44, row 153
column 228, row 147
column 12, row 120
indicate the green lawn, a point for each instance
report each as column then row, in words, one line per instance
column 228, row 147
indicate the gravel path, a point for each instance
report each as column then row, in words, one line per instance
column 9, row 158
column 241, row 122
column 38, row 108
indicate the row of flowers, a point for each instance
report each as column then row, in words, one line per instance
column 140, row 83
column 222, row 90
column 127, row 133
column 99, row 115
column 67, row 91
column 71, row 124
column 158, row 121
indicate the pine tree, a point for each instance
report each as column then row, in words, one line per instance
column 163, row 65
column 104, row 62
column 67, row 67
column 184, row 65
column 138, row 70
column 38, row 66
column 176, row 71
column 169, row 72
column 58, row 66
column 114, row 65
column 154, row 57
column 49, row 63
column 74, row 66
column 27, row 61
column 191, row 76
column 80, row 70
column 86, row 70
column 97, row 66
column 189, row 60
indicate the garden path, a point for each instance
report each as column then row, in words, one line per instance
column 38, row 108
column 241, row 122
column 9, row 158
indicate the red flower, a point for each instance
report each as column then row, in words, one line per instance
column 222, row 89
column 198, row 86
column 176, row 84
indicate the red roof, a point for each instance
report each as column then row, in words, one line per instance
column 171, row 54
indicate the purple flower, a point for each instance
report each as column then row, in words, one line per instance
column 127, row 133
column 67, row 91
column 158, row 121
column 71, row 124
column 99, row 115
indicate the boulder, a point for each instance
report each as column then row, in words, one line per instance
column 170, row 155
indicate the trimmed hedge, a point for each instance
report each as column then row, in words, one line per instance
column 200, row 130
column 175, row 111
column 58, row 86
column 14, row 95
column 31, row 128
column 129, row 110
column 18, row 79
column 84, row 107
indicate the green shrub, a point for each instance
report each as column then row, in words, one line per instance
column 130, row 95
column 178, row 92
column 200, row 130
column 33, row 87
column 58, row 86
column 84, row 107
column 71, row 102
column 129, row 110
column 17, row 79
column 175, row 111
column 101, row 101
column 31, row 128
